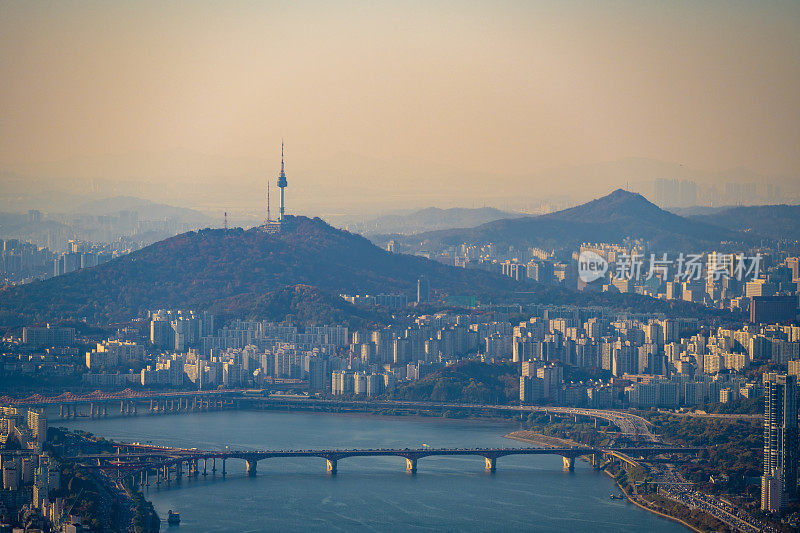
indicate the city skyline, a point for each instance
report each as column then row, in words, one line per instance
column 524, row 244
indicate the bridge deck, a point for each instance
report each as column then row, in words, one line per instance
column 184, row 453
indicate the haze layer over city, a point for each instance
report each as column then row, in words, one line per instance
column 399, row 266
column 452, row 104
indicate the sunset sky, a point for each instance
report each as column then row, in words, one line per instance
column 395, row 95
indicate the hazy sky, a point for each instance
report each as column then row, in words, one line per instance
column 141, row 90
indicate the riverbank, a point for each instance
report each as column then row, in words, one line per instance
column 548, row 441
column 541, row 439
column 144, row 519
column 637, row 503
column 119, row 506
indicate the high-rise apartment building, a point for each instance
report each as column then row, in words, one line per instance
column 780, row 441
column 423, row 290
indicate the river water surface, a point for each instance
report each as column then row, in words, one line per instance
column 527, row 493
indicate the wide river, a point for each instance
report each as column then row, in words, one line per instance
column 527, row 493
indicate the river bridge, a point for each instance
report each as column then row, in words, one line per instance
column 130, row 401
column 134, row 402
column 166, row 462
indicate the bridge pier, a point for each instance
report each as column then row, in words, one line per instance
column 569, row 463
column 224, row 472
column 205, row 461
column 252, row 465
column 332, row 465
column 491, row 464
column 594, row 459
column 411, row 465
column 214, row 466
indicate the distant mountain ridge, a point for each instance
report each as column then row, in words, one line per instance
column 758, row 221
column 146, row 209
column 612, row 218
column 430, row 219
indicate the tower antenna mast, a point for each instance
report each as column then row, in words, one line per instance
column 282, row 184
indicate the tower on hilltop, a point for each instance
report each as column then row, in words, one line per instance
column 282, row 184
column 270, row 225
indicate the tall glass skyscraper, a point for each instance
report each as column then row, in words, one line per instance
column 779, row 483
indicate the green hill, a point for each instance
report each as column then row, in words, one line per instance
column 236, row 271
column 468, row 381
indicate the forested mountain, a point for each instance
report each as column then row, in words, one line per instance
column 612, row 218
column 233, row 271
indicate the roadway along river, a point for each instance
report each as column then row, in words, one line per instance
column 528, row 493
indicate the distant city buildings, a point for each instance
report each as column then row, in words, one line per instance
column 48, row 336
column 23, row 262
column 178, row 330
column 687, row 193
column 763, row 285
